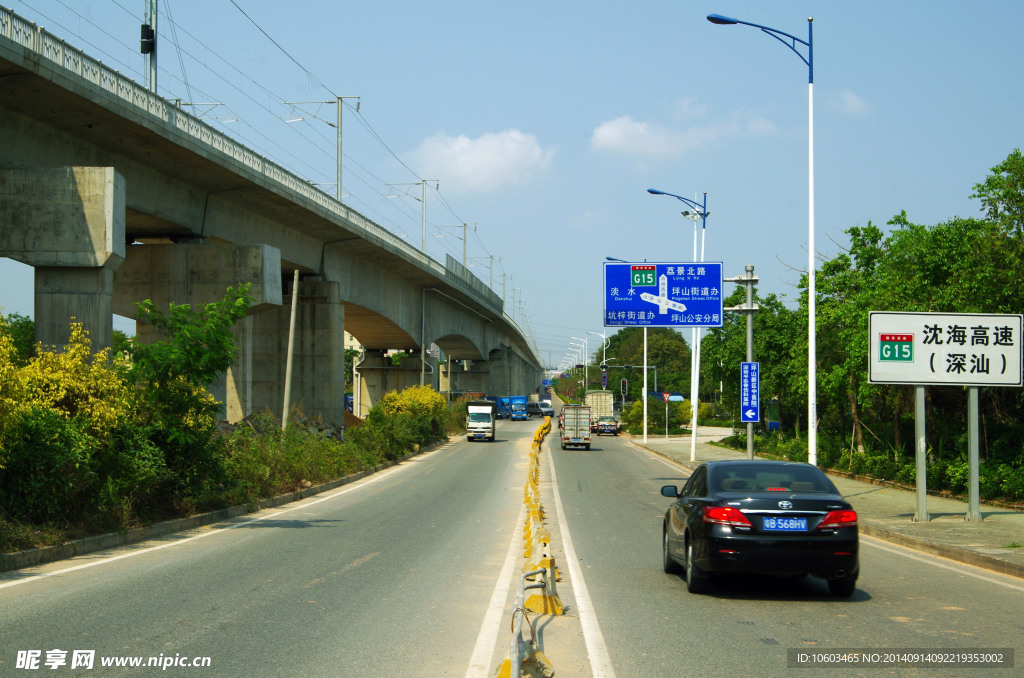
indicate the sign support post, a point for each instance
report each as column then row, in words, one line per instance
column 921, row 459
column 973, row 491
column 749, row 309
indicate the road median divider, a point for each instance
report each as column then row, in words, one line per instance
column 525, row 658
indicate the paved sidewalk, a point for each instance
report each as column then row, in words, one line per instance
column 887, row 512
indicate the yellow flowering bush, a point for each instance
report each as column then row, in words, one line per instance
column 419, row 401
column 11, row 398
column 78, row 382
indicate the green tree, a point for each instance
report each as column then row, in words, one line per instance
column 1002, row 193
column 173, row 375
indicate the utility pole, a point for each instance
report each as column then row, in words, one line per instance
column 748, row 309
column 339, row 101
column 148, row 43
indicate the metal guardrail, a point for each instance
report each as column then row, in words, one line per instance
column 35, row 38
column 516, row 646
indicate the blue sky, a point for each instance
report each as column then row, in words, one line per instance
column 545, row 123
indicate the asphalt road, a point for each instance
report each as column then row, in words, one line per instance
column 389, row 576
column 410, row 573
column 653, row 627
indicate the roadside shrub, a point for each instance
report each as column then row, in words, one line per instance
column 262, row 461
column 956, row 476
column 48, row 475
column 76, row 382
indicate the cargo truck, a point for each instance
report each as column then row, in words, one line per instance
column 575, row 425
column 480, row 419
column 517, row 405
column 601, row 403
column 504, row 407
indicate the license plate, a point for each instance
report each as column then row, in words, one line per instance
column 771, row 524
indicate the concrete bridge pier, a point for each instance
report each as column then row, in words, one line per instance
column 69, row 224
column 473, row 376
column 318, row 363
column 375, row 375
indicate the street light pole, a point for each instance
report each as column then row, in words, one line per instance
column 699, row 212
column 604, row 344
column 586, row 362
column 791, row 41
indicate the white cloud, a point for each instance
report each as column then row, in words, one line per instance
column 481, row 164
column 627, row 136
column 849, row 103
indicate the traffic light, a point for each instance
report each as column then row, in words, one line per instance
column 148, row 41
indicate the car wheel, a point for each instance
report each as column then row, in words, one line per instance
column 842, row 588
column 696, row 580
column 670, row 566
column 587, row 446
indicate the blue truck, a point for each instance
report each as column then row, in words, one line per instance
column 504, row 407
column 517, row 404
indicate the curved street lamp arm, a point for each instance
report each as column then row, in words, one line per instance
column 692, row 203
column 701, row 210
column 778, row 35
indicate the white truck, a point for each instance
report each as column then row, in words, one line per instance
column 601, row 404
column 575, row 420
column 480, row 418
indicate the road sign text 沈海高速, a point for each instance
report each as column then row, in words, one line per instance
column 969, row 349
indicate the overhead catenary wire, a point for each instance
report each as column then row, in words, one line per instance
column 195, row 53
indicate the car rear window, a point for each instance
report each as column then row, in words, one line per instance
column 756, row 477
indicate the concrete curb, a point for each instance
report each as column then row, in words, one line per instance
column 76, row 547
column 944, row 550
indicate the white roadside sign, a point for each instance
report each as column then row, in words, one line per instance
column 968, row 349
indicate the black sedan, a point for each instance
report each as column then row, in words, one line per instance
column 768, row 517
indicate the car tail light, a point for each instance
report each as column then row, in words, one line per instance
column 725, row 515
column 838, row 519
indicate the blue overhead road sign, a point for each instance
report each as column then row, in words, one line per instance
column 750, row 385
column 663, row 295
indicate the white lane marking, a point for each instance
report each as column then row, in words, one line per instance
column 959, row 568
column 488, row 636
column 375, row 478
column 597, row 651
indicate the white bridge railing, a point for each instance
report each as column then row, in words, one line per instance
column 73, row 60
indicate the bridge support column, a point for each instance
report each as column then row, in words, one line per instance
column 472, row 378
column 199, row 274
column 318, row 366
column 376, row 375
column 68, row 223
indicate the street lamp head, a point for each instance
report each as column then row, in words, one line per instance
column 721, row 20
column 614, row 259
column 654, row 191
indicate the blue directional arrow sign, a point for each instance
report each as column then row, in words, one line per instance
column 750, row 385
column 651, row 294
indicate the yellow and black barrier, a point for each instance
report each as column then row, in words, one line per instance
column 525, row 656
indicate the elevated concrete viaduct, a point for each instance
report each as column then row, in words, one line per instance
column 114, row 195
